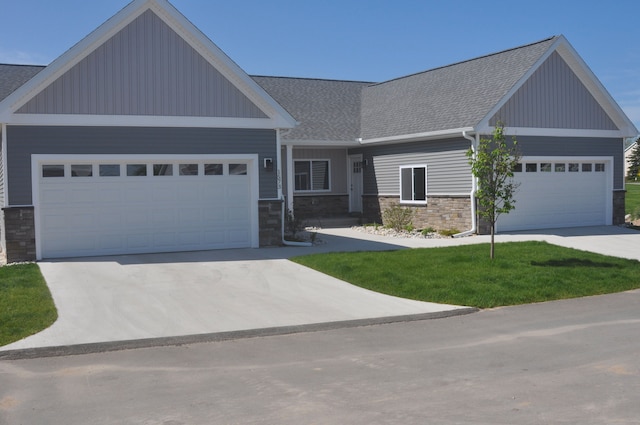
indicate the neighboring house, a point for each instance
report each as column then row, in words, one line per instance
column 627, row 155
column 145, row 137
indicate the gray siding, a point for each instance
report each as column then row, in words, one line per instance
column 338, row 171
column 24, row 141
column 145, row 69
column 554, row 97
column 448, row 171
column 577, row 146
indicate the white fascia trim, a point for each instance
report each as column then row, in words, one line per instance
column 484, row 123
column 586, row 76
column 457, row 195
column 417, row 136
column 555, row 132
column 140, row 121
column 223, row 63
column 300, row 143
column 182, row 26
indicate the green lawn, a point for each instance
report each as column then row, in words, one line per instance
column 26, row 306
column 632, row 199
column 523, row 272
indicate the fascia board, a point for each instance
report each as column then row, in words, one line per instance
column 484, row 123
column 142, row 121
column 302, row 143
column 71, row 57
column 430, row 135
column 555, row 132
column 182, row 26
column 596, row 88
column 223, row 63
column 586, row 76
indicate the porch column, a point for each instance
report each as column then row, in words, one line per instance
column 290, row 178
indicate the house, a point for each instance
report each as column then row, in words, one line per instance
column 628, row 151
column 146, row 137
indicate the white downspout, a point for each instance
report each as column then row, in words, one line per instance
column 474, row 187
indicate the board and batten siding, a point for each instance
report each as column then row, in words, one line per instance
column 553, row 97
column 23, row 141
column 448, row 170
column 145, row 69
column 577, row 146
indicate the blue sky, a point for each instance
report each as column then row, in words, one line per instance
column 367, row 40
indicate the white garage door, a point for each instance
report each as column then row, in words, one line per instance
column 563, row 192
column 118, row 206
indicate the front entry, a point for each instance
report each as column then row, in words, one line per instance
column 355, row 183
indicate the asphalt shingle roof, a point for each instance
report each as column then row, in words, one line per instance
column 14, row 76
column 454, row 96
column 325, row 109
column 450, row 97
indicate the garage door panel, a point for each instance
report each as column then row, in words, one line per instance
column 102, row 215
column 559, row 198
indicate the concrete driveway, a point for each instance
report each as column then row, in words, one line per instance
column 143, row 297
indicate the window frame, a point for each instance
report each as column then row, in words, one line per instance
column 413, row 201
column 311, row 161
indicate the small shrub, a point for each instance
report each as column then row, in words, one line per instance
column 448, row 232
column 427, row 231
column 409, row 228
column 397, row 217
column 635, row 214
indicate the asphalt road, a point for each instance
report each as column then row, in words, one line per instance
column 565, row 362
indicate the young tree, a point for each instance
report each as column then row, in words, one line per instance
column 493, row 164
column 634, row 161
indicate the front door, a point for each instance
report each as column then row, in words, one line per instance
column 355, row 183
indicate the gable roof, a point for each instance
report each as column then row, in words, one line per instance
column 205, row 50
column 327, row 110
column 450, row 97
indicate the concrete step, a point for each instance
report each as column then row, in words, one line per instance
column 332, row 222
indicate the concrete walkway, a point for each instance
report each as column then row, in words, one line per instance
column 140, row 297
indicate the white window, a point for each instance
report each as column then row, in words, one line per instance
column 413, row 184
column 311, row 175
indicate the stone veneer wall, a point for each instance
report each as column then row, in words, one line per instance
column 441, row 212
column 618, row 206
column 323, row 206
column 270, row 222
column 20, row 234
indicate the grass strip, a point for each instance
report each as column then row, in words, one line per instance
column 523, row 272
column 26, row 306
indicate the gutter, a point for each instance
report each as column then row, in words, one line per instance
column 474, row 188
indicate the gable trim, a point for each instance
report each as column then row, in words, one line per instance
column 625, row 127
column 215, row 57
column 139, row 121
column 558, row 132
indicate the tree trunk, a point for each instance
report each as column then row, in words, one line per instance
column 493, row 231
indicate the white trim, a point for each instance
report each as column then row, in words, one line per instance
column 182, row 26
column 426, row 191
column 140, row 121
column 586, row 76
column 457, row 195
column 301, row 143
column 416, row 136
column 311, row 160
column 252, row 168
column 555, row 132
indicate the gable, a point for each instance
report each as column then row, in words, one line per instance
column 144, row 69
column 554, row 97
